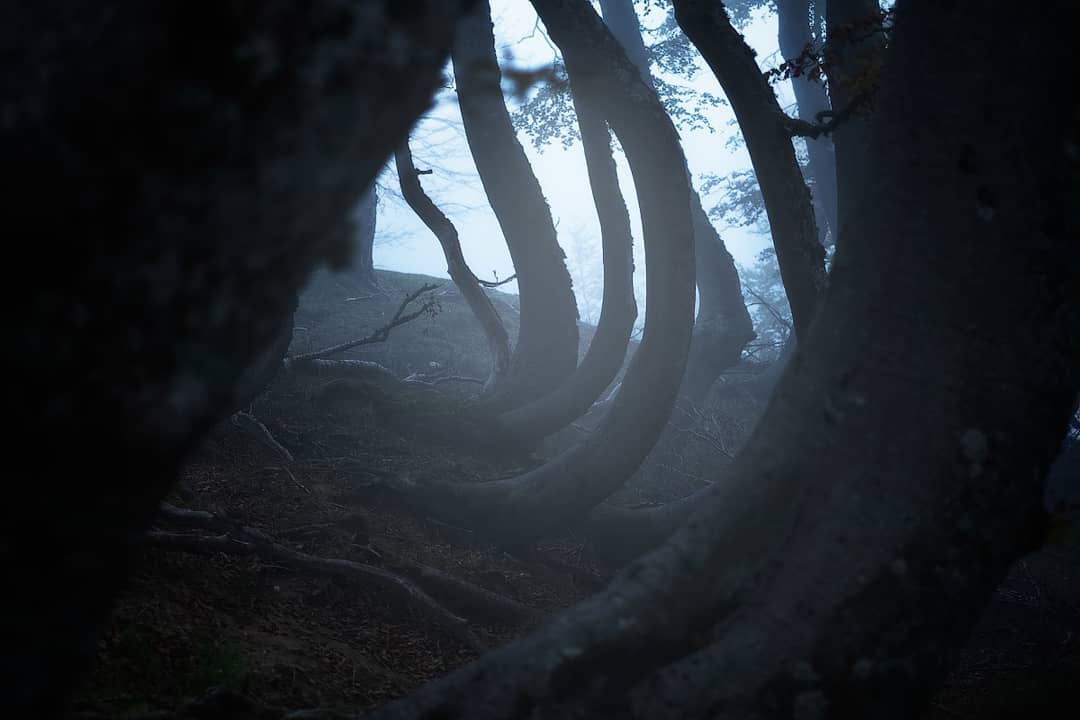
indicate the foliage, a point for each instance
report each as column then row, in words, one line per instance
column 739, row 11
column 767, row 303
column 817, row 61
column 546, row 113
column 741, row 203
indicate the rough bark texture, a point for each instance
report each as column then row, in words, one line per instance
column 547, row 345
column 723, row 325
column 456, row 267
column 787, row 199
column 523, row 508
column 173, row 171
column 898, row 469
column 794, row 34
column 607, row 350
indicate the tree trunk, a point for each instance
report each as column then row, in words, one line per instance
column 607, row 350
column 810, row 97
column 547, row 345
column 897, row 472
column 764, row 127
column 363, row 221
column 519, row 510
column 456, row 267
column 723, row 324
column 853, row 55
column 169, row 189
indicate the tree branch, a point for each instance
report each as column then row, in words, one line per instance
column 380, row 335
column 827, row 120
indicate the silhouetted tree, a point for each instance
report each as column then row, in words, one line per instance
column 723, row 325
column 467, row 283
column 175, row 171
column 546, row 350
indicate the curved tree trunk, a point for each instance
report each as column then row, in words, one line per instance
column 546, row 351
column 521, row 509
column 467, row 284
column 173, row 192
column 723, row 325
column 607, row 350
column 811, row 98
column 898, row 470
column 764, row 127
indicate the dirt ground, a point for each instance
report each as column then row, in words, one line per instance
column 192, row 622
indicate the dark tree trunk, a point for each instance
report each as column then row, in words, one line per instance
column 764, row 127
column 723, row 325
column 363, row 223
column 169, row 189
column 852, row 53
column 897, row 472
column 810, row 97
column 607, row 350
column 456, row 267
column 546, row 351
column 521, row 509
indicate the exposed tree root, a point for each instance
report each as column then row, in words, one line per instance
column 236, row 539
column 462, row 598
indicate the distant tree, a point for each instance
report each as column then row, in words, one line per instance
column 363, row 222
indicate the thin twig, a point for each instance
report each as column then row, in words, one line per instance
column 380, row 335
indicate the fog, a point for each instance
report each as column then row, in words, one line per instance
column 403, row 244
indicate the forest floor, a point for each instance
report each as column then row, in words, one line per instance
column 193, row 621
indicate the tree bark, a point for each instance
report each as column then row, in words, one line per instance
column 456, row 267
column 852, row 54
column 364, row 220
column 898, row 470
column 811, row 98
column 546, row 351
column 607, row 350
column 723, row 325
column 519, row 510
column 173, row 173
column 787, row 199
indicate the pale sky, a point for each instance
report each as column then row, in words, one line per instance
column 404, row 244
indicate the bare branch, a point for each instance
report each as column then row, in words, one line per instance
column 380, row 335
column 496, row 283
